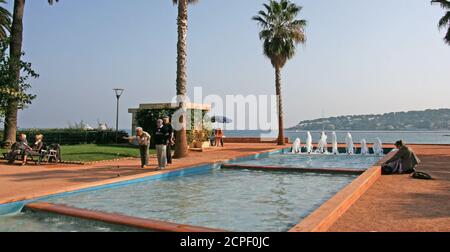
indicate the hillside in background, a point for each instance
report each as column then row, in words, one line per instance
column 414, row 120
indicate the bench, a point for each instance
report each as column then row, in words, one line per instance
column 49, row 155
column 30, row 157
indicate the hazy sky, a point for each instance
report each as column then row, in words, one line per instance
column 361, row 57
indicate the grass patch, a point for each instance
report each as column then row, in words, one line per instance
column 93, row 152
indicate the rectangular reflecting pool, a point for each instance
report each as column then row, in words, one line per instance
column 359, row 162
column 233, row 200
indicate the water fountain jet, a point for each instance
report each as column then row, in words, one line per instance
column 297, row 146
column 334, row 143
column 322, row 146
column 350, row 144
column 309, row 146
column 378, row 147
column 364, row 148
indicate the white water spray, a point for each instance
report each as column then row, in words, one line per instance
column 350, row 144
column 297, row 146
column 323, row 145
column 309, row 146
column 378, row 147
column 334, row 143
column 364, row 148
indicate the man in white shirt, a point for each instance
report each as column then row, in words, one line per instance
column 143, row 139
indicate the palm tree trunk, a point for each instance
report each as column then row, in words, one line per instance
column 14, row 70
column 280, row 106
column 181, row 146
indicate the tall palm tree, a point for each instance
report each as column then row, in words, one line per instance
column 15, row 52
column 5, row 21
column 181, row 146
column 280, row 33
column 445, row 20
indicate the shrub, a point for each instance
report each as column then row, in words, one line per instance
column 147, row 118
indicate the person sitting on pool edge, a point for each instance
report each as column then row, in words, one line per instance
column 403, row 162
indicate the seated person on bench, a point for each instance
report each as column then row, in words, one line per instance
column 35, row 149
column 18, row 148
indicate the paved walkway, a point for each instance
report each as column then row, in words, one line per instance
column 19, row 183
column 400, row 203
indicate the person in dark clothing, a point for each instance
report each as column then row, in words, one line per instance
column 403, row 162
column 161, row 136
column 170, row 138
column 212, row 138
column 18, row 148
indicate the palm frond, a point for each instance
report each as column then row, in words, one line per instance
column 447, row 37
column 445, row 4
column 51, row 2
column 445, row 20
column 5, row 21
column 281, row 30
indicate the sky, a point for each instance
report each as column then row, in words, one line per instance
column 361, row 57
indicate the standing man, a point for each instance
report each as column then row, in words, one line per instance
column 143, row 139
column 170, row 138
column 161, row 136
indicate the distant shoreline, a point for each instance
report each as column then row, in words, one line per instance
column 383, row 131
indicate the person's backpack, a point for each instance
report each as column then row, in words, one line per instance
column 421, row 175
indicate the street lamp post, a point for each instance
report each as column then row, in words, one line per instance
column 119, row 92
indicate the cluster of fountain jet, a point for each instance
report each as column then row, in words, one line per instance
column 322, row 146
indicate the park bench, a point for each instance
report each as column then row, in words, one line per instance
column 50, row 154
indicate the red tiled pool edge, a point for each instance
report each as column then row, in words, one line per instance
column 117, row 219
column 329, row 212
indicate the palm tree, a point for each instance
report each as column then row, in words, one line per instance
column 15, row 52
column 5, row 21
column 280, row 33
column 445, row 20
column 181, row 146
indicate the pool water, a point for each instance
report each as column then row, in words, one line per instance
column 360, row 162
column 226, row 199
column 29, row 221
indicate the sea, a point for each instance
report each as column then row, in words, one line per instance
column 409, row 137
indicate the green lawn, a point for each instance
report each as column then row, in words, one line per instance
column 92, row 152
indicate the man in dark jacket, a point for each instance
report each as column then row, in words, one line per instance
column 403, row 162
column 161, row 135
column 170, row 138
